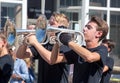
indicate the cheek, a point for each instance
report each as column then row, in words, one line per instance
column 0, row 47
column 90, row 35
column 87, row 36
column 1, row 44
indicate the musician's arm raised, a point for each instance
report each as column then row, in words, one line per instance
column 43, row 52
column 56, row 56
column 23, row 52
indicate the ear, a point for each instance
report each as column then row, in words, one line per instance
column 99, row 34
column 5, row 43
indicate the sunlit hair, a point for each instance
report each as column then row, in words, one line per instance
column 110, row 43
column 28, row 61
column 102, row 26
column 61, row 18
column 3, row 37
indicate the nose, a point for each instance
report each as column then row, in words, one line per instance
column 84, row 29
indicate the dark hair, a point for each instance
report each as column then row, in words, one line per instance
column 110, row 43
column 102, row 26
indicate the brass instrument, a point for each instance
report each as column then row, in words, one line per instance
column 77, row 36
column 41, row 31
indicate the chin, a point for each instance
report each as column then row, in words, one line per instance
column 87, row 40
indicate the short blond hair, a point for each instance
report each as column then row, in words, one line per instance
column 61, row 18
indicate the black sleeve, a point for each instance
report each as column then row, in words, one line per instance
column 71, row 57
column 34, row 52
column 102, row 50
column 110, row 62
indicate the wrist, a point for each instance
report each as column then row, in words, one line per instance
column 24, row 44
column 69, row 43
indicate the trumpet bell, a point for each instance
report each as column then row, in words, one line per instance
column 10, row 32
column 11, row 39
column 40, row 31
column 77, row 36
column 41, row 35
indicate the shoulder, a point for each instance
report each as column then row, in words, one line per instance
column 7, row 61
column 103, row 52
column 101, row 49
column 8, row 58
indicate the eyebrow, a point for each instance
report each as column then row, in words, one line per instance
column 88, row 26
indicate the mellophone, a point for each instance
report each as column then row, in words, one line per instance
column 77, row 36
column 42, row 34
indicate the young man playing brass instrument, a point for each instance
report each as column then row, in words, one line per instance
column 88, row 60
column 48, row 73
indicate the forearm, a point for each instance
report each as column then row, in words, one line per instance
column 84, row 53
column 21, row 52
column 44, row 53
column 55, row 53
column 56, row 56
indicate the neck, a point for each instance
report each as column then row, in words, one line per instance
column 3, row 52
column 14, row 57
column 91, row 44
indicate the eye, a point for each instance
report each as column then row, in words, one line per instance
column 63, row 27
column 88, row 26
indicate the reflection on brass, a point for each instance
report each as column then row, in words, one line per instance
column 77, row 36
column 40, row 32
column 9, row 28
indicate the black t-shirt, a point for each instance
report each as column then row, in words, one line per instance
column 57, row 73
column 6, row 68
column 106, row 75
column 85, row 72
